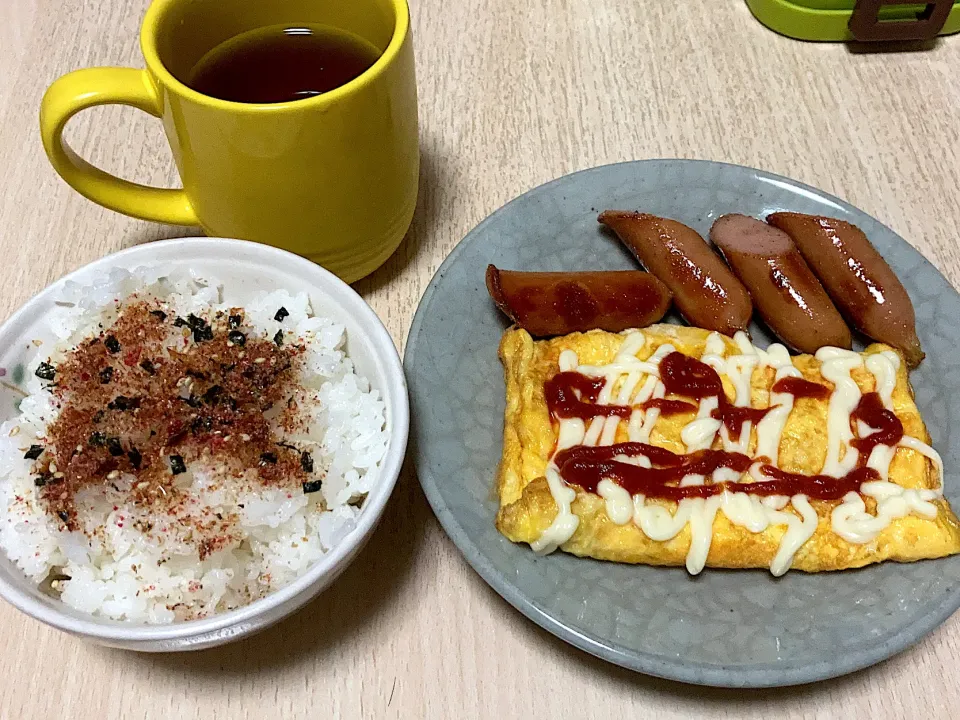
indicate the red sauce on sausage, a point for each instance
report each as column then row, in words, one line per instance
column 801, row 388
column 587, row 466
column 889, row 429
column 567, row 392
column 668, row 407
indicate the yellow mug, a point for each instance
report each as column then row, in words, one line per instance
column 331, row 177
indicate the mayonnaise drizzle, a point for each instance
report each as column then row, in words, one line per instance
column 884, row 366
column 836, row 365
column 770, row 428
column 619, row 502
column 702, row 514
column 639, row 381
column 752, row 513
column 571, row 433
column 921, row 447
column 565, row 524
column 851, row 521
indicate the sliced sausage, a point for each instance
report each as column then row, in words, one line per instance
column 784, row 290
column 705, row 291
column 557, row 303
column 863, row 286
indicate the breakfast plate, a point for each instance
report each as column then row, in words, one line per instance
column 724, row 628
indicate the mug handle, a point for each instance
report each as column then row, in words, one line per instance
column 83, row 89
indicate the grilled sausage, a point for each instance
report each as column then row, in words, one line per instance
column 706, row 292
column 863, row 286
column 784, row 290
column 557, row 303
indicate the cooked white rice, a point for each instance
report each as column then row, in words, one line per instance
column 117, row 571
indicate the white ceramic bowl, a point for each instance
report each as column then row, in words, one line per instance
column 245, row 268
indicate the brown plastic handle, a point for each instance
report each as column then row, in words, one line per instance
column 865, row 23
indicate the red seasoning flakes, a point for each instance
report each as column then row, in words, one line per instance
column 154, row 393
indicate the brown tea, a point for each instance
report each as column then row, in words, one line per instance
column 281, row 63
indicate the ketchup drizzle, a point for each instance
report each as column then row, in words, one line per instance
column 566, row 392
column 586, row 466
column 801, row 388
column 687, row 376
column 668, row 407
column 734, row 416
column 589, row 453
column 889, row 429
column 820, row 487
column 571, row 394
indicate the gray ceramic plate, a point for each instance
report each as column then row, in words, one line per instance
column 728, row 628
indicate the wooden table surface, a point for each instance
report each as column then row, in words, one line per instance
column 512, row 94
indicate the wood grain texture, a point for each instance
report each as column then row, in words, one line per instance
column 512, row 94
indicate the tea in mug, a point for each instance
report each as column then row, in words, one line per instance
column 280, row 63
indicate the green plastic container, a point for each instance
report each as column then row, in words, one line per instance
column 850, row 20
